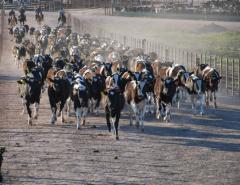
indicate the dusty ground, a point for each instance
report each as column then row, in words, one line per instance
column 189, row 150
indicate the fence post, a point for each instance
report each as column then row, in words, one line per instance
column 238, row 77
column 227, row 75
column 144, row 45
column 221, row 71
column 187, row 61
column 196, row 60
column 191, row 61
column 215, row 61
column 233, row 77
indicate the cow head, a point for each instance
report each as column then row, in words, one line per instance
column 57, row 84
column 213, row 80
column 195, row 84
column 140, row 88
column 169, row 86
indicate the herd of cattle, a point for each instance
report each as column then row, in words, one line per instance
column 89, row 72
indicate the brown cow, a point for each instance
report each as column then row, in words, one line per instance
column 211, row 79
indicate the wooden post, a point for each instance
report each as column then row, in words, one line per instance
column 227, row 75
column 238, row 77
column 221, row 59
column 233, row 77
column 215, row 61
column 144, row 45
column 191, row 61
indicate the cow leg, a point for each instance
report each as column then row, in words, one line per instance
column 24, row 106
column 62, row 115
column 84, row 114
column 157, row 108
column 207, row 99
column 142, row 120
column 69, row 102
column 116, row 124
column 201, row 104
column 137, row 118
column 54, row 116
column 36, row 106
column 97, row 106
column 78, row 115
column 215, row 99
column 167, row 117
column 130, row 115
column 113, row 120
column 162, row 109
column 29, row 113
column 107, row 114
column 193, row 104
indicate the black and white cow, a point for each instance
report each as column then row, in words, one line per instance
column 58, row 92
column 164, row 91
column 30, row 91
column 196, row 89
column 80, row 97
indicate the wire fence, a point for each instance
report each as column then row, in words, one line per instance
column 229, row 68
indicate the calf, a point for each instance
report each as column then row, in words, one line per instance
column 164, row 91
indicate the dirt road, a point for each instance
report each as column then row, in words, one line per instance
column 189, row 150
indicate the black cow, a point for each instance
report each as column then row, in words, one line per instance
column 58, row 92
column 113, row 106
column 30, row 91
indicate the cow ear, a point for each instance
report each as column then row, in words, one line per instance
column 19, row 81
column 191, row 73
column 22, row 81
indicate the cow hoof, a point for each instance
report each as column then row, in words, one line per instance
column 201, row 113
column 30, row 122
column 142, row 129
column 78, row 126
column 35, row 117
column 117, row 137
